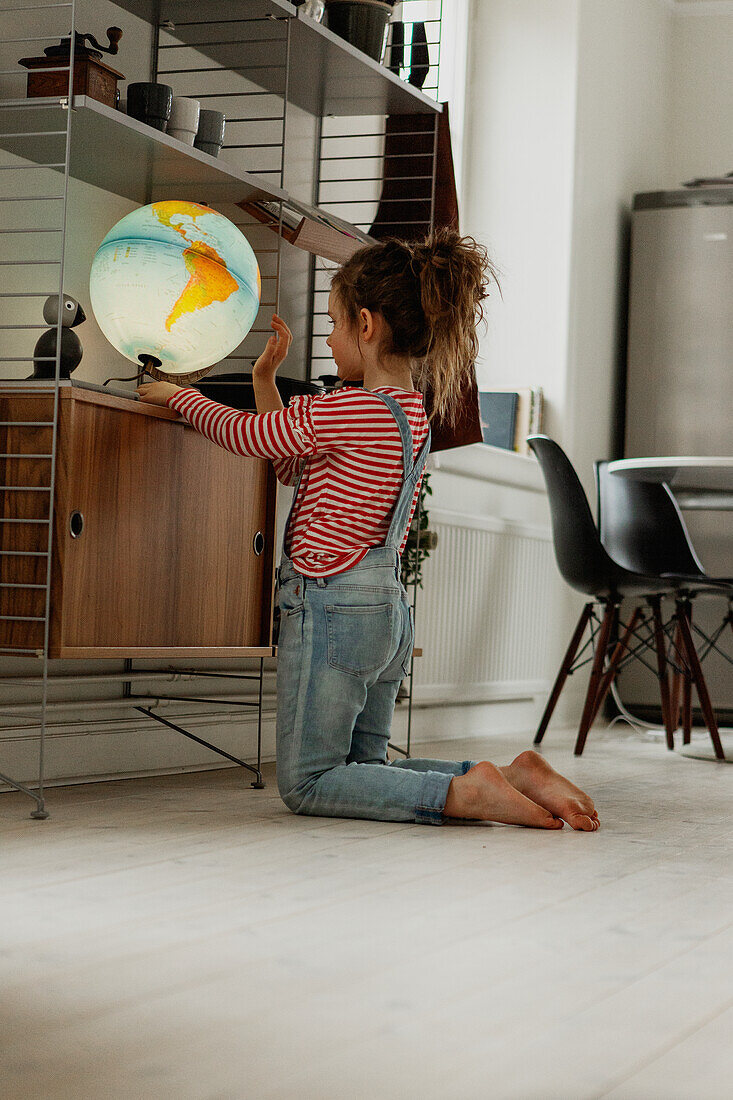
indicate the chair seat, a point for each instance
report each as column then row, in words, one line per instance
column 701, row 583
column 638, row 584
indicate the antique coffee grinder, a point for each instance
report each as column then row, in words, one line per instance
column 92, row 76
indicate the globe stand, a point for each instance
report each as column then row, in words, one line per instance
column 151, row 366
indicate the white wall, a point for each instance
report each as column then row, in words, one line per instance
column 518, row 184
column 568, row 115
column 571, row 107
column 702, row 90
column 622, row 146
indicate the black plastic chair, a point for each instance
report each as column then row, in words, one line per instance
column 587, row 567
column 642, row 528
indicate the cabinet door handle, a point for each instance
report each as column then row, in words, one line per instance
column 258, row 543
column 76, row 524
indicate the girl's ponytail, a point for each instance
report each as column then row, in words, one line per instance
column 430, row 295
column 454, row 272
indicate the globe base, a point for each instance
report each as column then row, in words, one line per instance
column 151, row 366
column 148, row 367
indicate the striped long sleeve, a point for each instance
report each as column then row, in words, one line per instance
column 285, row 436
column 348, row 448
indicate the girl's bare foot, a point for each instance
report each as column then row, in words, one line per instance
column 534, row 777
column 484, row 794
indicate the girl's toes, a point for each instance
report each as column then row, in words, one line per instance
column 581, row 823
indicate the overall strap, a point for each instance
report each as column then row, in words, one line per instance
column 412, row 471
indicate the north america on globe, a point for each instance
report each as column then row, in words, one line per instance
column 210, row 281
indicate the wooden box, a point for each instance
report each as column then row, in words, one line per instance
column 91, row 77
column 163, row 541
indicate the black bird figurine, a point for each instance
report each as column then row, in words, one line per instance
column 44, row 353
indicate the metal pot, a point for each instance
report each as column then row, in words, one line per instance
column 361, row 22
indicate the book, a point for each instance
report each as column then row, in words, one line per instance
column 498, row 418
column 538, row 412
column 528, row 416
column 308, row 228
column 524, row 421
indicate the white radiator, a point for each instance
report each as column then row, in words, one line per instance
column 484, row 612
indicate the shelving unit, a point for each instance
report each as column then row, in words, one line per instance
column 257, row 59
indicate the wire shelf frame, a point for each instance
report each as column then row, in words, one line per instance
column 26, row 591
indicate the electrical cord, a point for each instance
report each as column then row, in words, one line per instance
column 639, row 724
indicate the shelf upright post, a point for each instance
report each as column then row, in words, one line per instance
column 40, row 811
column 21, row 583
column 315, row 194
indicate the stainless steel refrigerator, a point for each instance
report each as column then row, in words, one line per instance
column 679, row 384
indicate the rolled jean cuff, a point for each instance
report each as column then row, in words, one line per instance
column 434, row 792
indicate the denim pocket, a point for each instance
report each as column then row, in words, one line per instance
column 359, row 638
column 291, row 597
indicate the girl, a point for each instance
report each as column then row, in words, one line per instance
column 403, row 316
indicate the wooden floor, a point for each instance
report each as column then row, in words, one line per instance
column 187, row 937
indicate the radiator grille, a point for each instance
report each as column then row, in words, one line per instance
column 483, row 615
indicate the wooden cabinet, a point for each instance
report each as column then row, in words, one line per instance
column 163, row 541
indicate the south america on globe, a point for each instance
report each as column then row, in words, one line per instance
column 175, row 286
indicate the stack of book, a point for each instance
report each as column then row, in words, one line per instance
column 509, row 416
column 309, row 228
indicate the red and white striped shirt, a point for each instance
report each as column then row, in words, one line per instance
column 350, row 450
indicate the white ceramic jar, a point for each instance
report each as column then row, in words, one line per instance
column 184, row 119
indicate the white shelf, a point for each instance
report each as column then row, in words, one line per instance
column 119, row 154
column 486, row 463
column 328, row 76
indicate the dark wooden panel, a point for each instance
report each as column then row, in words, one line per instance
column 165, row 557
column 165, row 563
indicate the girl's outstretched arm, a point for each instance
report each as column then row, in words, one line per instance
column 286, row 433
column 283, row 435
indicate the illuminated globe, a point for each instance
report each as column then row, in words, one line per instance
column 176, row 283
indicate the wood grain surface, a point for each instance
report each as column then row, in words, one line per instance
column 165, row 561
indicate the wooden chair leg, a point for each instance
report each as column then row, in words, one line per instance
column 677, row 688
column 595, row 675
column 655, row 605
column 697, row 676
column 562, row 675
column 686, row 709
column 621, row 647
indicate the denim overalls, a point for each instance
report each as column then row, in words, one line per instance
column 344, row 648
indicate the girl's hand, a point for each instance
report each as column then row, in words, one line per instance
column 157, row 393
column 276, row 349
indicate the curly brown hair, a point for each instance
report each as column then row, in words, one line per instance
column 429, row 293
